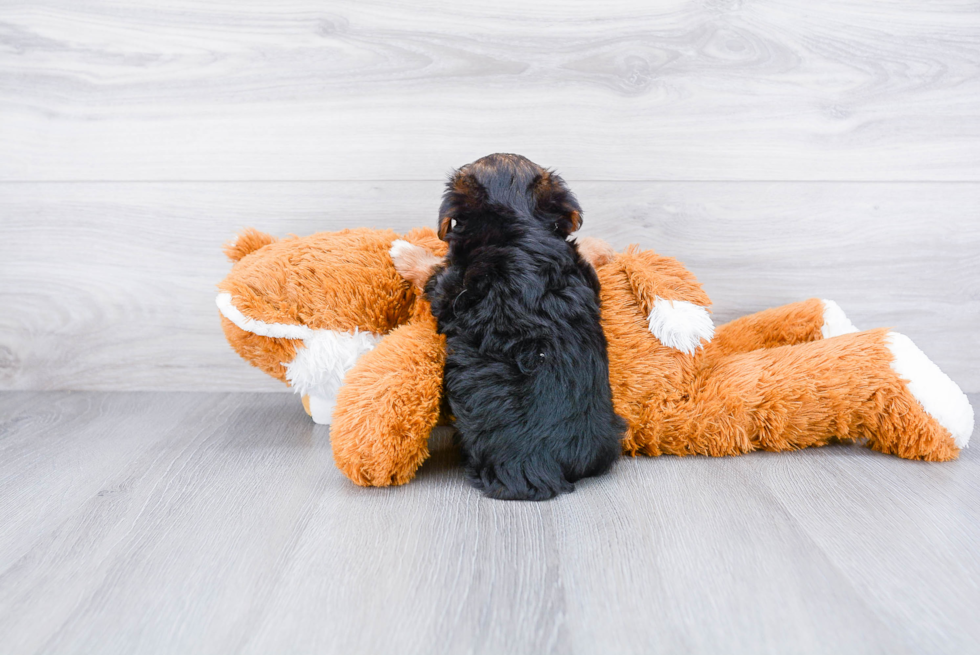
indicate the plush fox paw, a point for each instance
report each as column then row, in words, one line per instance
column 319, row 408
column 942, row 399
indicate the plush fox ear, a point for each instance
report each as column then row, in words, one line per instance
column 414, row 263
column 595, row 251
column 556, row 204
column 247, row 242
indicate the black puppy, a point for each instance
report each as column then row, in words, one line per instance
column 527, row 374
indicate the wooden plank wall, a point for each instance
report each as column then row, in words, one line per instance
column 782, row 150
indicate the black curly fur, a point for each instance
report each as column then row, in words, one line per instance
column 527, row 373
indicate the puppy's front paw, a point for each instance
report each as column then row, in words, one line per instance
column 414, row 263
column 680, row 324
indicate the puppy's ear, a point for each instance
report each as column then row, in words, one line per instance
column 463, row 194
column 556, row 204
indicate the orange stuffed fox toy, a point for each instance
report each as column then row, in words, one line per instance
column 333, row 317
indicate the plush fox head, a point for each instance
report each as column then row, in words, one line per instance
column 304, row 309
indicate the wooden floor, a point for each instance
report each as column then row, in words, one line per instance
column 217, row 523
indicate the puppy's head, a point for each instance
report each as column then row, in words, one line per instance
column 504, row 185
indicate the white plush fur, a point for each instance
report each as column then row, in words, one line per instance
column 319, row 367
column 400, row 247
column 261, row 328
column 939, row 396
column 680, row 324
column 835, row 322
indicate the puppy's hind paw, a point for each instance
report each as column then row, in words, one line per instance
column 502, row 483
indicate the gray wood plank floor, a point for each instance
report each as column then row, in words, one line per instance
column 217, row 523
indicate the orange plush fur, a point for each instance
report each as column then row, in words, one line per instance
column 336, row 280
column 765, row 382
column 768, row 381
column 342, row 281
column 389, row 404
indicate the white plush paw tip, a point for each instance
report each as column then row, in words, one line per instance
column 680, row 324
column 321, row 409
column 936, row 392
column 835, row 322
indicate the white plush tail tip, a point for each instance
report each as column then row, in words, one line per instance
column 255, row 326
column 939, row 396
column 835, row 322
column 680, row 324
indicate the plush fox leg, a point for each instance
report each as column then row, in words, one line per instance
column 389, row 404
column 799, row 322
column 874, row 386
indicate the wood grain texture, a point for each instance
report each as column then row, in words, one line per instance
column 111, row 286
column 673, row 90
column 217, row 523
column 780, row 149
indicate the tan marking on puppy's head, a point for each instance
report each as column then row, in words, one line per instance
column 463, row 193
column 556, row 200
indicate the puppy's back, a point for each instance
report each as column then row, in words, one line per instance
column 527, row 374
